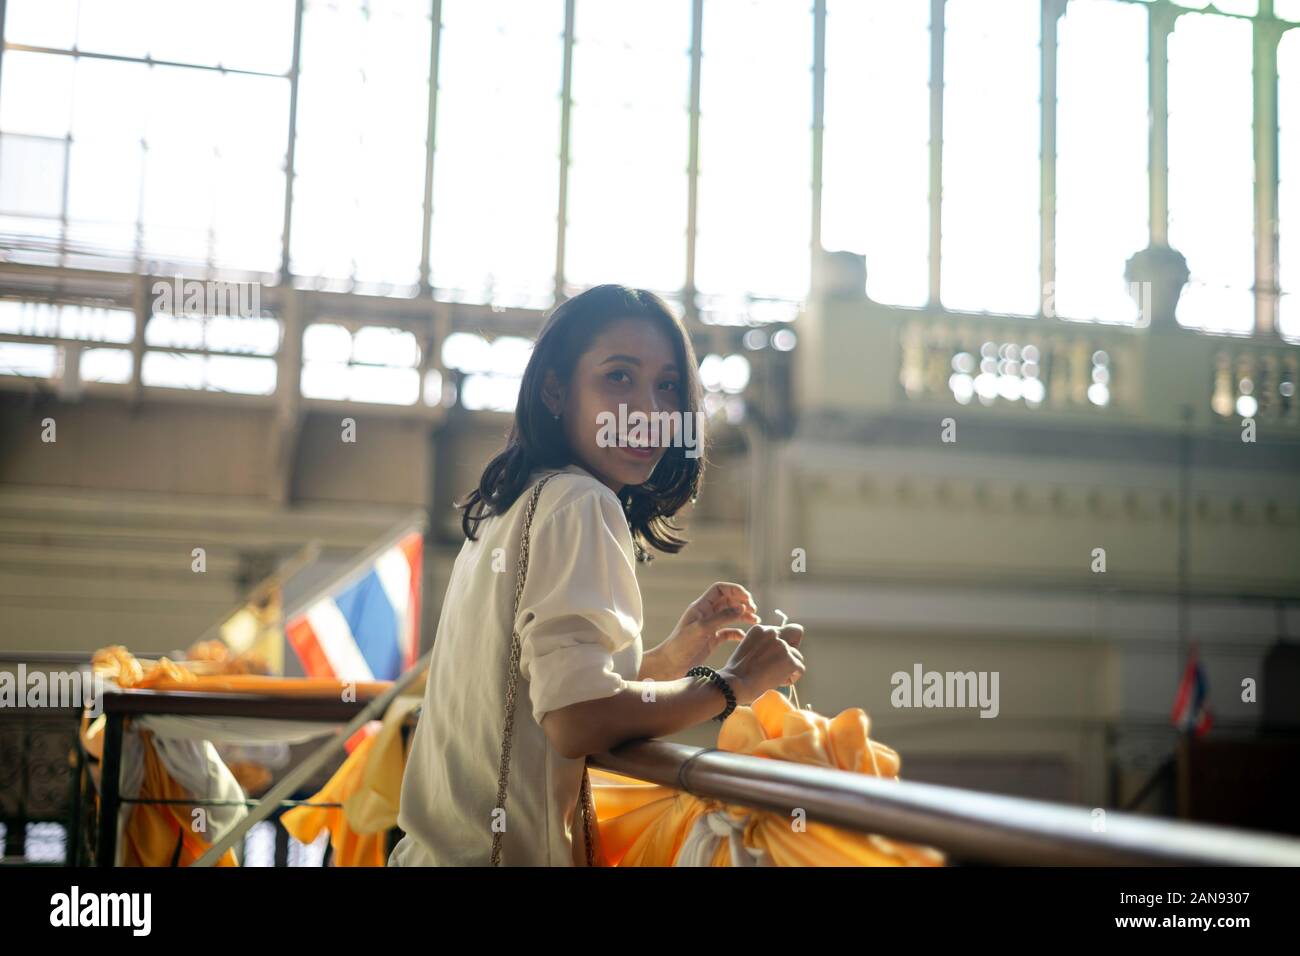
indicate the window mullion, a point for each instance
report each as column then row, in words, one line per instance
column 936, row 145
column 1052, row 11
column 1267, row 35
column 566, row 116
column 294, row 71
column 1161, row 24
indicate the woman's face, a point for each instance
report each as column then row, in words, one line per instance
column 630, row 363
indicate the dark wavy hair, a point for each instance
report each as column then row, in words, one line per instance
column 537, row 440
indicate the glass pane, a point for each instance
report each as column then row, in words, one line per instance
column 51, row 23
column 256, row 34
column 876, row 160
column 32, row 175
column 215, row 373
column 184, row 31
column 106, row 365
column 120, row 27
column 387, row 386
column 376, row 345
column 326, row 343
column 1102, row 196
column 107, row 157
column 36, row 94
column 361, row 383
column 180, row 164
column 496, row 393
column 1212, row 169
column 229, row 333
column 245, row 376
column 66, row 321
column 95, row 325
column 362, row 114
column 241, row 34
column 991, row 148
column 755, row 192
column 496, row 175
column 385, row 371
column 630, row 131
column 109, row 100
column 1288, row 74
column 249, row 213
column 29, row 360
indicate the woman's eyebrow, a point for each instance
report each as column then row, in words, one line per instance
column 632, row 359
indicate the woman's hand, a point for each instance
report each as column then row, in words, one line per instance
column 767, row 658
column 716, row 616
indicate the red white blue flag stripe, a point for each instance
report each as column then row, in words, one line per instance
column 369, row 629
column 1192, row 712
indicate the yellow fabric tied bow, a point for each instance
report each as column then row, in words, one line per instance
column 643, row 824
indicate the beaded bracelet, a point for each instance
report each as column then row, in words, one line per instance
column 716, row 679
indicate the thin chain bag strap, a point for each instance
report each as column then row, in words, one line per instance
column 512, row 684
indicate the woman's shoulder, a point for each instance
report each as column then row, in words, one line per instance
column 573, row 485
column 581, row 516
column 581, row 504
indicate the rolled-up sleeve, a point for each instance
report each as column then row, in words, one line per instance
column 581, row 603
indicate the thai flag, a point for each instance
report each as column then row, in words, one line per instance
column 1191, row 712
column 367, row 627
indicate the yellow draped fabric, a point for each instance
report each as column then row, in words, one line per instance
column 121, row 666
column 365, row 780
column 640, row 824
column 644, row 824
column 153, row 829
column 369, row 787
column 350, row 847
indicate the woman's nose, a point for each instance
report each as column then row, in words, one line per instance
column 647, row 403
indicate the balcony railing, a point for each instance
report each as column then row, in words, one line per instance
column 970, row 826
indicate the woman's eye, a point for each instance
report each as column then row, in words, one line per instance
column 612, row 376
column 669, row 387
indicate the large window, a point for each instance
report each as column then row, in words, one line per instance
column 496, row 164
column 1211, row 169
column 106, row 156
column 363, row 108
column 1288, row 68
column 876, row 166
column 370, row 364
column 1102, row 196
column 151, row 136
column 630, row 133
column 991, row 122
column 755, row 226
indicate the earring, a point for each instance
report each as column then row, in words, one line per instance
column 556, row 416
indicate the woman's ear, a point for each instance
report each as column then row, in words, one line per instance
column 552, row 393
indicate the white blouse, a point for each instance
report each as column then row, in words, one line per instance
column 580, row 639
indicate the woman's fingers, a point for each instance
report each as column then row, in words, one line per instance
column 731, row 634
column 732, row 613
column 745, row 615
column 725, row 594
column 792, row 634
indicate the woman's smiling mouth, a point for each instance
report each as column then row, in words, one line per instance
column 638, row 452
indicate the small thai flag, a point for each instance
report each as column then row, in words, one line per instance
column 367, row 627
column 1192, row 712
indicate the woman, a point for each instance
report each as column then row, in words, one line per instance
column 585, row 684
